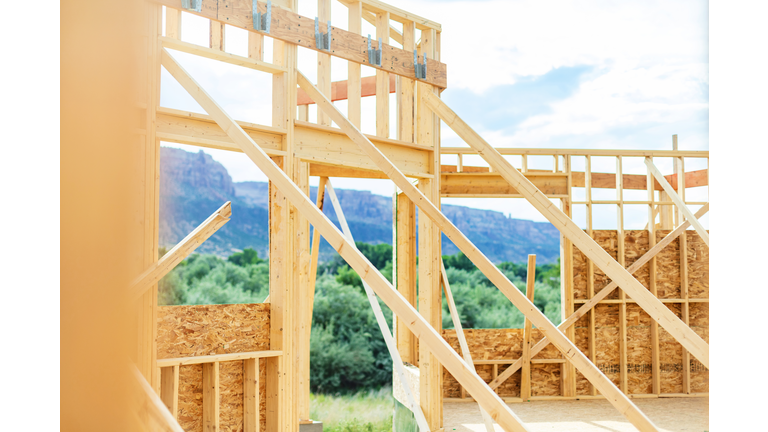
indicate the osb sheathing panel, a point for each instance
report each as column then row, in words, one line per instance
column 607, row 337
column 671, row 358
column 668, row 268
column 635, row 246
column 698, row 266
column 698, row 318
column 608, row 240
column 582, row 343
column 639, row 351
column 496, row 344
column 185, row 331
column 579, row 274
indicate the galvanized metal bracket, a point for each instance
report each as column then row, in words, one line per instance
column 374, row 55
column 322, row 40
column 420, row 69
column 261, row 21
column 192, row 5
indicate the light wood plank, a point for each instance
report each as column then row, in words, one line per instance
column 679, row 203
column 405, row 270
column 650, row 304
column 169, row 389
column 382, row 80
column 176, row 255
column 618, row 399
column 251, row 395
column 251, row 62
column 211, row 397
column 354, row 84
column 173, row 23
column 525, row 382
column 220, row 358
column 217, row 36
column 420, row 327
column 152, row 405
column 405, row 90
column 324, row 62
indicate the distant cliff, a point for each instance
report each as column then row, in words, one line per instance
column 193, row 185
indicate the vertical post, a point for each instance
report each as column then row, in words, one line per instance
column 288, row 239
column 251, row 395
column 169, row 389
column 590, row 268
column 147, row 315
column 567, row 371
column 430, row 298
column 173, row 23
column 382, row 80
column 255, row 46
column 405, row 89
column 323, row 63
column 304, row 112
column 217, row 35
column 354, row 85
column 622, row 260
column 655, row 372
column 405, row 270
column 525, row 382
column 211, row 397
column 680, row 171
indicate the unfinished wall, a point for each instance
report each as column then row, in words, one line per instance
column 185, row 331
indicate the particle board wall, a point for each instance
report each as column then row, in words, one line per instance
column 504, row 344
column 185, row 331
column 638, row 323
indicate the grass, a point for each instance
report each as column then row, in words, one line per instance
column 367, row 411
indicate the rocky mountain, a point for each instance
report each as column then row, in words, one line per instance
column 194, row 185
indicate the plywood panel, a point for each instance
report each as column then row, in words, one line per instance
column 214, row 329
column 698, row 266
column 668, row 268
column 635, row 246
column 639, row 350
column 582, row 342
column 608, row 240
column 671, row 359
column 579, row 274
column 699, row 321
column 607, row 340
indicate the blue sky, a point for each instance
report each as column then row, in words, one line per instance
column 558, row 74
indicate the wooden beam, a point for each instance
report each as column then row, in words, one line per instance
column 340, row 89
column 222, row 56
column 525, row 382
column 173, row 23
column 397, row 361
column 616, row 272
column 368, row 273
column 216, row 358
column 479, row 184
column 587, row 368
column 382, row 81
column 589, row 305
column 404, row 269
column 639, row 181
column 354, row 83
column 529, row 151
column 169, row 389
column 680, row 206
column 211, row 397
column 217, row 36
column 152, row 405
column 295, row 29
column 251, row 395
column 324, row 61
column 393, row 32
column 461, row 337
column 176, row 255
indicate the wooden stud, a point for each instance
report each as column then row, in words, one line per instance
column 173, row 23
column 251, row 395
column 678, row 201
column 652, row 211
column 354, row 85
column 679, row 167
column 616, row 272
column 217, row 36
column 525, row 383
column 621, row 259
column 255, row 46
column 416, row 323
column 405, row 90
column 211, row 397
column 169, row 389
column 323, row 62
column 592, row 346
column 622, row 403
column 151, row 405
column 463, row 340
column 382, row 80
column 589, row 305
column 405, row 270
column 186, row 246
column 567, row 372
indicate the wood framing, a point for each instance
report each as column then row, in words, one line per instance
column 297, row 30
column 404, row 265
column 525, row 382
column 660, row 313
column 420, row 327
column 617, row 398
